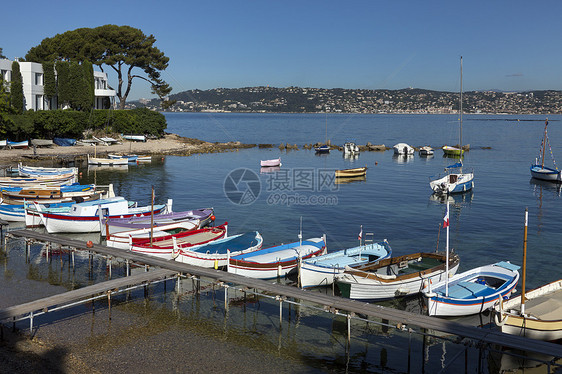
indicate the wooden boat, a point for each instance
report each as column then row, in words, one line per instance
column 538, row 170
column 472, row 291
column 275, row 262
column 23, row 144
column 53, row 180
column 535, row 314
column 38, row 171
column 348, row 173
column 323, row 270
column 144, row 158
column 395, row 276
column 116, row 225
column 426, row 151
column 350, row 148
column 129, row 158
column 454, row 180
column 126, row 239
column 64, row 142
column 88, row 216
column 135, row 138
column 16, row 213
column 49, row 193
column 403, row 149
column 167, row 247
column 107, row 161
column 216, row 253
column 271, row 163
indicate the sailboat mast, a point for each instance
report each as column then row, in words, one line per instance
column 544, row 142
column 524, row 270
column 460, row 110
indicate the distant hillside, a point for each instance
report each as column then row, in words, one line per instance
column 312, row 100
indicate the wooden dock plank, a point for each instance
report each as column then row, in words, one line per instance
column 81, row 293
column 334, row 302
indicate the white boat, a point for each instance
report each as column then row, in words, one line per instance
column 107, row 161
column 403, row 149
column 426, row 151
column 323, row 270
column 144, row 158
column 538, row 170
column 88, row 216
column 395, row 276
column 136, row 138
column 33, row 171
column 277, row 261
column 350, row 148
column 454, row 180
column 216, row 253
column 126, row 239
column 130, row 158
column 271, row 163
column 536, row 314
column 472, row 291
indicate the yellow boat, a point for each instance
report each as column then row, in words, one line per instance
column 355, row 172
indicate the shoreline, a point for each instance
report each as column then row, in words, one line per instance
column 170, row 144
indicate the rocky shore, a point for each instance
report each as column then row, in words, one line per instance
column 170, row 144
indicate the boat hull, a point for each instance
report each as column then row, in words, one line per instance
column 546, row 174
column 351, row 173
column 275, row 262
column 453, row 183
column 467, row 295
column 323, row 270
column 362, row 284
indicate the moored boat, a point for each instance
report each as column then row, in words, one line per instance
column 351, row 173
column 271, row 163
column 403, row 149
column 538, row 170
column 107, row 161
column 216, row 253
column 135, row 138
column 395, row 276
column 129, row 158
column 350, row 148
column 426, row 151
column 114, row 225
column 88, row 216
column 472, row 291
column 127, row 239
column 323, row 270
column 168, row 246
column 277, row 261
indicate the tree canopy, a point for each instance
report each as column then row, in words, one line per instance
column 124, row 49
column 1, row 54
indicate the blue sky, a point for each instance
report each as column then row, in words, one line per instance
column 508, row 45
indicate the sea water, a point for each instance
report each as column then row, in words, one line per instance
column 393, row 202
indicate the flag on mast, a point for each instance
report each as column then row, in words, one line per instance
column 360, row 233
column 446, row 218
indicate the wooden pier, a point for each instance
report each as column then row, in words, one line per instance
column 332, row 304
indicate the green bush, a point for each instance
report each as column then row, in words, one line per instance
column 47, row 124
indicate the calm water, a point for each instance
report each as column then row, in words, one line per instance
column 393, row 202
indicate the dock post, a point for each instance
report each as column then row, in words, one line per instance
column 109, row 303
column 348, row 328
column 128, row 270
column 225, row 297
column 109, row 265
column 27, row 250
column 31, row 322
column 409, row 348
column 280, row 311
column 73, row 263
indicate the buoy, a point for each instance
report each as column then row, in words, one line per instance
column 89, row 244
column 212, row 218
column 376, row 162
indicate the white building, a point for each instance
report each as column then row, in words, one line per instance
column 34, row 83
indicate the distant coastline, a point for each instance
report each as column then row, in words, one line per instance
column 337, row 100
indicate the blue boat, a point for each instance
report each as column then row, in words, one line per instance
column 64, row 142
column 322, row 149
column 130, row 158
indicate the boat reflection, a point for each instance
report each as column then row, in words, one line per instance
column 347, row 180
column 108, row 167
column 270, row 169
column 402, row 159
column 515, row 361
column 350, row 156
column 460, row 199
column 540, row 185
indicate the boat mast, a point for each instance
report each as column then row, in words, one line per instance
column 460, row 110
column 524, row 270
column 447, row 255
column 544, row 142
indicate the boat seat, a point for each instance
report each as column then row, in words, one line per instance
column 465, row 290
